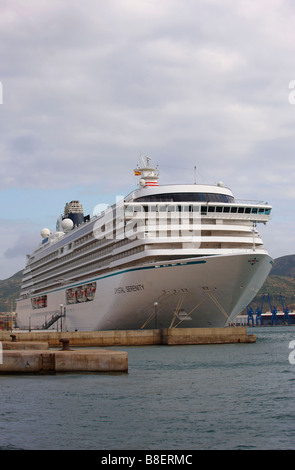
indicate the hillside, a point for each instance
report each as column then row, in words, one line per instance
column 276, row 286
column 280, row 281
column 9, row 291
column 284, row 266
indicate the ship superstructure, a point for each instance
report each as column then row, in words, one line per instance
column 177, row 253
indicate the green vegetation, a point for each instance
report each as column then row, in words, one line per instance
column 281, row 281
column 9, row 291
column 276, row 286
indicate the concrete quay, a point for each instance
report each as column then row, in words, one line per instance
column 24, row 345
column 50, row 361
column 167, row 336
column 171, row 336
column 29, row 352
column 35, row 357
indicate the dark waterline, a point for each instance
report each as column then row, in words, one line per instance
column 237, row 396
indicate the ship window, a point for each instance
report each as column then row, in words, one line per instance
column 218, row 209
column 261, row 211
column 211, row 209
column 226, row 209
column 247, row 210
column 233, row 209
column 204, row 210
column 241, row 210
column 254, row 210
column 186, row 197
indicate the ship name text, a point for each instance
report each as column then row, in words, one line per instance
column 126, row 289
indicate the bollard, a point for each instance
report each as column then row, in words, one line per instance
column 65, row 344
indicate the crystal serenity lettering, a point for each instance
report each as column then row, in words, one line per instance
column 126, row 289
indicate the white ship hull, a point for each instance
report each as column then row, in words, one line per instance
column 198, row 292
column 164, row 256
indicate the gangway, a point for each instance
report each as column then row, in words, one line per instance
column 53, row 319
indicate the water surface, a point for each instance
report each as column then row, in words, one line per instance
column 237, row 396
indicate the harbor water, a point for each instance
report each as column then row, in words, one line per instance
column 204, row 397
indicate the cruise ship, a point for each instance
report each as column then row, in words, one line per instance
column 165, row 256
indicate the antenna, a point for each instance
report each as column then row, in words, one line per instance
column 195, row 175
column 142, row 161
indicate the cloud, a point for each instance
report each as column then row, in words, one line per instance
column 90, row 86
column 17, row 239
column 24, row 243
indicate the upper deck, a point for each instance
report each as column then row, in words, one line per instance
column 182, row 193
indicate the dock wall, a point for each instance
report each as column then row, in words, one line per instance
column 49, row 361
column 167, row 336
column 206, row 336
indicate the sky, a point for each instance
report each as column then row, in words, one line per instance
column 87, row 87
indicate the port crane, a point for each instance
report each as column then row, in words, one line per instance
column 286, row 311
column 259, row 311
column 250, row 315
column 274, row 311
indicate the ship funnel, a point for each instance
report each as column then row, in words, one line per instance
column 74, row 211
